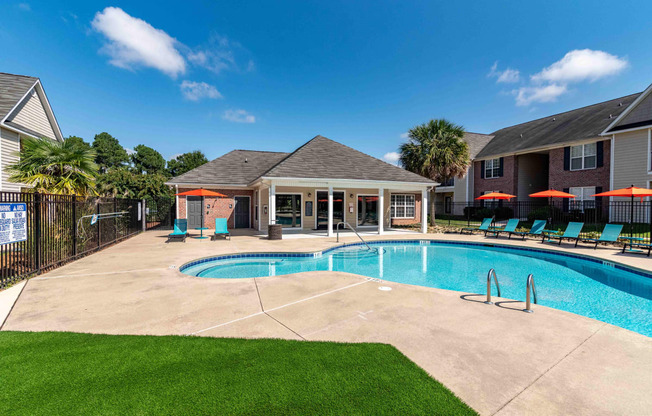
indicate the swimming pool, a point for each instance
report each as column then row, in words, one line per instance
column 608, row 292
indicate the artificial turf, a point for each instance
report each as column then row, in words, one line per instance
column 71, row 373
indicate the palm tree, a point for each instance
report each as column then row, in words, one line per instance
column 55, row 167
column 437, row 151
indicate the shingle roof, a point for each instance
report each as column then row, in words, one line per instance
column 582, row 123
column 476, row 142
column 238, row 167
column 12, row 89
column 324, row 158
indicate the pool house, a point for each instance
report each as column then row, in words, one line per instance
column 315, row 187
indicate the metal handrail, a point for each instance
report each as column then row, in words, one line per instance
column 491, row 272
column 530, row 284
column 346, row 224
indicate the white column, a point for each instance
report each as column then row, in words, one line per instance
column 381, row 210
column 424, row 211
column 330, row 211
column 272, row 204
column 176, row 188
column 260, row 218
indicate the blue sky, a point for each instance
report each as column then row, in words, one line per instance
column 215, row 76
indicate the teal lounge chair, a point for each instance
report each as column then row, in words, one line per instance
column 510, row 227
column 180, row 231
column 634, row 244
column 536, row 230
column 221, row 228
column 610, row 234
column 572, row 233
column 486, row 223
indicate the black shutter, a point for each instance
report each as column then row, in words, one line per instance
column 566, row 200
column 567, row 158
column 482, row 169
column 600, row 154
column 500, row 170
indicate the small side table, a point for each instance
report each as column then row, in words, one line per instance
column 630, row 241
column 201, row 230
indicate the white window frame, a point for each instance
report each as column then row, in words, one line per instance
column 492, row 168
column 580, row 196
column 404, row 205
column 583, row 156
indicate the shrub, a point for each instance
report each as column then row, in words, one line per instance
column 543, row 213
column 503, row 213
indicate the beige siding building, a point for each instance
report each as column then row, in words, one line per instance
column 24, row 112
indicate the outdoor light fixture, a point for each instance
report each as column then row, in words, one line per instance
column 351, row 196
column 309, row 195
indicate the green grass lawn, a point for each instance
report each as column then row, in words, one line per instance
column 70, row 373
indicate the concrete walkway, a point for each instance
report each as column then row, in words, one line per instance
column 496, row 358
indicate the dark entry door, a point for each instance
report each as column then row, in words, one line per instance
column 241, row 212
column 195, row 211
column 322, row 209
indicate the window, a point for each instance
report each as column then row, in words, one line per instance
column 447, row 182
column 492, row 168
column 584, row 198
column 288, row 210
column 583, row 156
column 402, row 206
column 367, row 210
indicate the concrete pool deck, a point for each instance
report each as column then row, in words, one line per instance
column 496, row 358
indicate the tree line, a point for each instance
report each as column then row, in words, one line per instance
column 102, row 167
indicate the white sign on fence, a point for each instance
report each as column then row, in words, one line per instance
column 13, row 223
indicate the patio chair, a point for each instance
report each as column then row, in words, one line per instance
column 610, row 234
column 221, row 229
column 486, row 223
column 536, row 230
column 509, row 228
column 180, row 231
column 572, row 232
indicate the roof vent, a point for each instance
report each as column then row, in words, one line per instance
column 246, row 161
column 620, row 104
column 521, row 135
column 554, row 119
column 611, row 116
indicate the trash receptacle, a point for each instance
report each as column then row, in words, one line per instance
column 275, row 232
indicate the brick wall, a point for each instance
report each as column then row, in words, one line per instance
column 507, row 183
column 560, row 179
column 221, row 207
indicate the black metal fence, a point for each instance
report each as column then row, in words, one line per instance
column 160, row 212
column 636, row 217
column 61, row 228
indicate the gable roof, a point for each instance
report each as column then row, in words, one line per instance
column 638, row 114
column 12, row 89
column 324, row 158
column 476, row 142
column 575, row 125
column 238, row 167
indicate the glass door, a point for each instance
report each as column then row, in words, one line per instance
column 322, row 209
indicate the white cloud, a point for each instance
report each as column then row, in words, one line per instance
column 195, row 91
column 239, row 116
column 581, row 65
column 538, row 94
column 509, row 75
column 392, row 157
column 221, row 53
column 132, row 42
column 404, row 136
column 25, row 7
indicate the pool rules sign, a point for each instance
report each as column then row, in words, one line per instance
column 13, row 223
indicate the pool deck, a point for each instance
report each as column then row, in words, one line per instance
column 496, row 358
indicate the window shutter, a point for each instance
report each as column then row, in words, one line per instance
column 482, row 169
column 565, row 203
column 500, row 170
column 567, row 158
column 600, row 154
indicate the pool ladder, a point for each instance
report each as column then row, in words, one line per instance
column 529, row 287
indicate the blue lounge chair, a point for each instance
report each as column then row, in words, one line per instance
column 572, row 232
column 610, row 234
column 180, row 231
column 221, row 228
column 510, row 227
column 536, row 230
column 486, row 223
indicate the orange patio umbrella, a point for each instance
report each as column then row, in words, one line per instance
column 631, row 192
column 200, row 192
column 496, row 195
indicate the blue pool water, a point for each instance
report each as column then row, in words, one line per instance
column 595, row 289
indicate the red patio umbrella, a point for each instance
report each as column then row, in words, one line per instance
column 551, row 193
column 631, row 192
column 200, row 192
column 496, row 195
